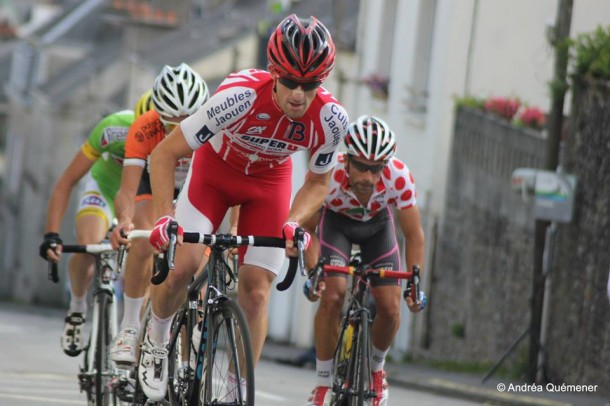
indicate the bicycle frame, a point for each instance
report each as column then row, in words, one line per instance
column 219, row 278
column 224, row 338
column 351, row 369
column 97, row 373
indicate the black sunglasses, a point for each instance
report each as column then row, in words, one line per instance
column 293, row 84
column 374, row 169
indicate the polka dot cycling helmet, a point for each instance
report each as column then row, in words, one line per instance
column 371, row 138
column 301, row 49
column 178, row 91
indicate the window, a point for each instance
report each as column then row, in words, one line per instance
column 417, row 90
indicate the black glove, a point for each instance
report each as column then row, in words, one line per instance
column 51, row 240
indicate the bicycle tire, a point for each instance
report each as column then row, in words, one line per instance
column 86, row 381
column 138, row 397
column 228, row 345
column 178, row 386
column 101, row 387
column 341, row 360
column 361, row 363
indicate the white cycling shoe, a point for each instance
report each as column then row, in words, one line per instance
column 152, row 371
column 124, row 347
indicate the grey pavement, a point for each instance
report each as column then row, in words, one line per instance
column 458, row 385
column 410, row 376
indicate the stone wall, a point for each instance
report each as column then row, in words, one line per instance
column 481, row 282
column 479, row 301
column 579, row 327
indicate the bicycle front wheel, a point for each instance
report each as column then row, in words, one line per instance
column 178, row 371
column 228, row 368
column 361, row 365
column 103, row 394
column 341, row 361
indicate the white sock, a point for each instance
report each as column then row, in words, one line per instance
column 131, row 312
column 78, row 304
column 324, row 372
column 159, row 329
column 377, row 359
column 232, row 386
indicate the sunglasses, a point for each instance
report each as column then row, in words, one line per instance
column 169, row 125
column 374, row 169
column 293, row 84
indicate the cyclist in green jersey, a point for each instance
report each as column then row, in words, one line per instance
column 100, row 162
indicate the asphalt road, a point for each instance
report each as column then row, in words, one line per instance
column 35, row 372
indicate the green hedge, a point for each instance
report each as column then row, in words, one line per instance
column 590, row 55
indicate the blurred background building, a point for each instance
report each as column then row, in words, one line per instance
column 66, row 63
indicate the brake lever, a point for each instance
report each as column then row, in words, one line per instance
column 52, row 270
column 173, row 239
column 53, row 273
column 121, row 252
column 417, row 299
column 299, row 236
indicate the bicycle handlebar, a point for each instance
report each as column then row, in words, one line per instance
column 412, row 277
column 132, row 235
column 223, row 240
column 100, row 248
column 298, row 262
column 94, row 249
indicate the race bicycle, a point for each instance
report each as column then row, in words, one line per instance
column 98, row 372
column 222, row 344
column 351, row 363
column 100, row 379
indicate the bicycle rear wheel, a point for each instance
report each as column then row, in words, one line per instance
column 228, row 349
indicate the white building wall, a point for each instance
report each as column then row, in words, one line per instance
column 501, row 50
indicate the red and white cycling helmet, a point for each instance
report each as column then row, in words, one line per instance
column 179, row 91
column 370, row 138
column 301, row 49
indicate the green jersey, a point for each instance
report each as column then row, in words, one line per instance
column 106, row 146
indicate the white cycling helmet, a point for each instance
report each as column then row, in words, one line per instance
column 179, row 91
column 370, row 137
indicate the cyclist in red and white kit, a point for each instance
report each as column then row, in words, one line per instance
column 366, row 184
column 243, row 138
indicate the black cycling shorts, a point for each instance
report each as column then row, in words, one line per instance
column 376, row 238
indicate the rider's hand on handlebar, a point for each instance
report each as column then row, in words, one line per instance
column 415, row 308
column 159, row 238
column 50, row 249
column 233, row 251
column 119, row 234
column 313, row 294
column 288, row 232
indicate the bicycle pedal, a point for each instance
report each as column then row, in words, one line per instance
column 84, row 383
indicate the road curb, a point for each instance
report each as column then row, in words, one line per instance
column 440, row 386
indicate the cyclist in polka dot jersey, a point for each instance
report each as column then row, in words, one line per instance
column 366, row 184
column 396, row 187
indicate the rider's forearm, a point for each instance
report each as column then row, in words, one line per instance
column 58, row 205
column 309, row 198
column 162, row 164
column 124, row 206
column 415, row 248
column 233, row 220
